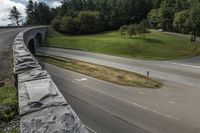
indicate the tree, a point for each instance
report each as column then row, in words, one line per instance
column 141, row 28
column 44, row 14
column 180, row 21
column 56, row 24
column 123, row 30
column 131, row 30
column 154, row 18
column 167, row 12
column 194, row 20
column 15, row 15
column 69, row 25
column 90, row 22
column 30, row 12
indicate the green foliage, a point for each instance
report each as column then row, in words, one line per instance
column 15, row 15
column 135, row 29
column 132, row 30
column 177, row 15
column 69, row 25
column 180, row 21
column 106, row 14
column 89, row 21
column 39, row 13
column 56, row 24
column 154, row 17
column 83, row 22
column 194, row 20
column 8, row 103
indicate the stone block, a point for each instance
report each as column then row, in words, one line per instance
column 38, row 94
column 60, row 119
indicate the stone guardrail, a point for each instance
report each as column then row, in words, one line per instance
column 42, row 107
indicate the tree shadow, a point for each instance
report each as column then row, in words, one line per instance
column 152, row 40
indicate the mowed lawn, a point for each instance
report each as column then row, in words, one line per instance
column 156, row 45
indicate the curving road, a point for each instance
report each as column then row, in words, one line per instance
column 105, row 107
column 7, row 36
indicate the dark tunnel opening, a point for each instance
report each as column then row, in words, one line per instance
column 38, row 39
column 31, row 46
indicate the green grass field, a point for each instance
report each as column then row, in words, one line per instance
column 156, row 45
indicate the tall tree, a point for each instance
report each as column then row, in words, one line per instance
column 194, row 20
column 44, row 14
column 15, row 15
column 30, row 12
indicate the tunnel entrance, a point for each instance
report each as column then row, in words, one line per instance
column 31, row 46
column 38, row 39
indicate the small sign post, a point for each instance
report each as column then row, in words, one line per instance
column 148, row 74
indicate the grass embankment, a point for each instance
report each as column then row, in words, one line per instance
column 156, row 45
column 113, row 75
column 8, row 108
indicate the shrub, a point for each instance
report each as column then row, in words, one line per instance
column 69, row 25
column 56, row 24
column 90, row 21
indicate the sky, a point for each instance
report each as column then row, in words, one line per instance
column 6, row 5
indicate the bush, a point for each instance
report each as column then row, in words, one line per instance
column 90, row 21
column 56, row 24
column 69, row 25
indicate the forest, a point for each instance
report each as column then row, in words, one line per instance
column 92, row 16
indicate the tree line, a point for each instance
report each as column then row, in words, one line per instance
column 177, row 16
column 90, row 16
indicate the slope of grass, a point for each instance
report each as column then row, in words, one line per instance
column 156, row 45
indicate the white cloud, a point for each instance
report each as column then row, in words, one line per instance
column 6, row 5
column 55, row 4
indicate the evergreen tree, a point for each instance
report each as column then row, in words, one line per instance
column 15, row 15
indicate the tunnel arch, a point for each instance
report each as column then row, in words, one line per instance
column 38, row 39
column 31, row 46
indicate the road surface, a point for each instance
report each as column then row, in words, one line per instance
column 7, row 37
column 171, row 109
column 107, row 108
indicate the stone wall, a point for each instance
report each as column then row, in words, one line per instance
column 42, row 107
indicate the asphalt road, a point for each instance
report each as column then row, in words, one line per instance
column 182, row 72
column 108, row 108
column 7, row 37
column 171, row 109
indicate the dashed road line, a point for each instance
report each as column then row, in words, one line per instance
column 185, row 65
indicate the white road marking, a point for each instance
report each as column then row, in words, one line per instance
column 82, row 79
column 7, row 31
column 90, row 129
column 185, row 65
column 141, row 93
column 121, row 99
column 172, row 102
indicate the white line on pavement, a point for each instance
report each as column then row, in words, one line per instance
column 90, row 129
column 185, row 65
column 121, row 99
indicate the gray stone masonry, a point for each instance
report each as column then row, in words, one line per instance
column 42, row 107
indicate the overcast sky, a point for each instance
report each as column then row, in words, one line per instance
column 6, row 5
